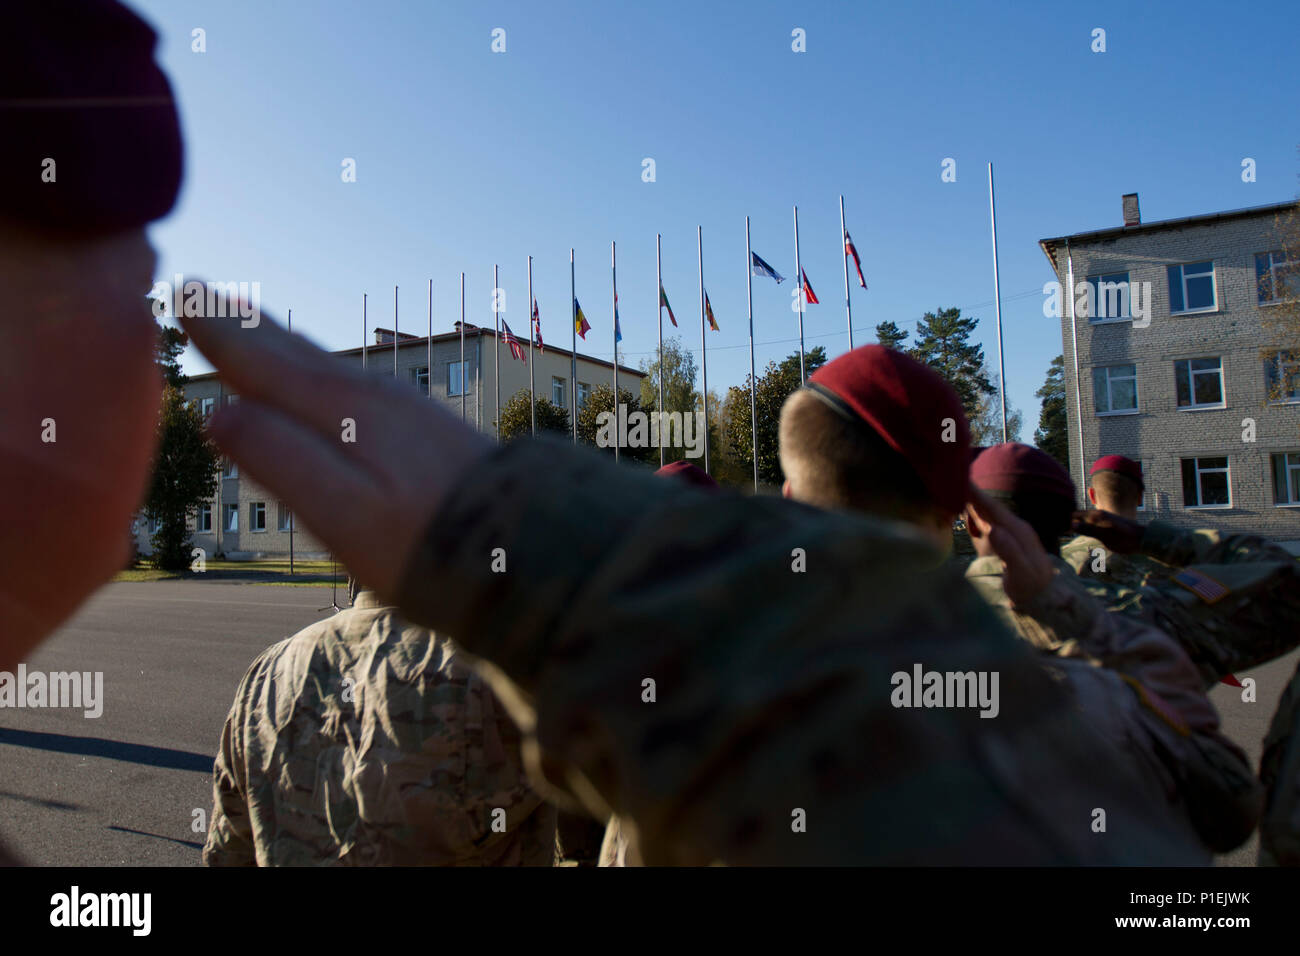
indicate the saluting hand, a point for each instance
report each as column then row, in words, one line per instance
column 1028, row 570
column 1116, row 532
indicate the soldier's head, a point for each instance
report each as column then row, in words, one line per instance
column 1032, row 484
column 878, row 432
column 1115, row 484
column 92, row 154
column 689, row 474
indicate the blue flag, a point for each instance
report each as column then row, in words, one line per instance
column 618, row 331
column 761, row 268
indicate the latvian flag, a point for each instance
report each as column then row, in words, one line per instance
column 851, row 250
column 516, row 349
column 808, row 294
column 663, row 301
column 537, row 328
column 708, row 311
column 761, row 268
column 580, row 323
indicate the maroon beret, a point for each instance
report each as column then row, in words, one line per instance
column 1014, row 468
column 685, row 471
column 79, row 86
column 1118, row 463
column 908, row 404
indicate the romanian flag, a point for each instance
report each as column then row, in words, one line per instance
column 708, row 312
column 663, row 301
column 851, row 250
column 580, row 323
column 809, row 296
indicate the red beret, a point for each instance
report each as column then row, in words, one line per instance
column 908, row 404
column 1118, row 463
column 1014, row 467
column 685, row 471
column 79, row 86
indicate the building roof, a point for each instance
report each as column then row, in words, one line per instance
column 406, row 340
column 1049, row 245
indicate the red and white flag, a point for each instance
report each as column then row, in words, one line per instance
column 809, row 296
column 516, row 349
column 851, row 250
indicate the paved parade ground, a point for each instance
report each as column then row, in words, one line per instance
column 123, row 788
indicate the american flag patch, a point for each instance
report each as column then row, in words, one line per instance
column 1202, row 585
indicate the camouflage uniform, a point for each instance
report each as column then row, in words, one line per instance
column 364, row 740
column 1279, row 830
column 1144, row 693
column 773, row 686
column 1254, row 618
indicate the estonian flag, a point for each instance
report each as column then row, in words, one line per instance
column 761, row 268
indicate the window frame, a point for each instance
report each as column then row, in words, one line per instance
column 231, row 511
column 416, row 371
column 1276, row 361
column 198, row 519
column 452, row 365
column 1182, row 278
column 283, row 518
column 562, row 384
column 206, row 407
column 1194, row 406
column 584, row 393
column 229, row 469
column 1292, row 473
column 1272, row 276
column 1126, row 300
column 253, row 512
column 1111, row 410
column 1196, row 466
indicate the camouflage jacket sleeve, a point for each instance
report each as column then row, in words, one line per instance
column 1279, row 830
column 1174, row 546
column 721, row 671
column 230, row 835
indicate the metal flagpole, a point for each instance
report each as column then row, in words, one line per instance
column 428, row 358
column 997, row 299
column 461, row 383
column 532, row 385
column 704, row 355
column 365, row 330
column 291, row 512
column 659, row 307
column 848, row 306
column 799, row 296
column 573, row 354
column 613, row 273
column 394, row 333
column 496, row 347
column 753, row 403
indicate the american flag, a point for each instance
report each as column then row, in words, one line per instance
column 537, row 328
column 1202, row 585
column 516, row 349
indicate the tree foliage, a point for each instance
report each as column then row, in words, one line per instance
column 1051, row 435
column 891, row 336
column 601, row 399
column 184, row 477
column 942, row 342
column 771, row 390
column 517, row 419
column 986, row 425
column 680, row 394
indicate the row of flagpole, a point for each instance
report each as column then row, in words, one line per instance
column 754, row 266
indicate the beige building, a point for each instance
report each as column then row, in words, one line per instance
column 1169, row 361
column 245, row 521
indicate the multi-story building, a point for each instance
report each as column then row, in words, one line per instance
column 1170, row 359
column 244, row 520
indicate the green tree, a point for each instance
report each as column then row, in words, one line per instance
column 942, row 342
column 891, row 336
column 517, row 418
column 1052, row 435
column 680, row 394
column 986, row 425
column 167, row 353
column 773, row 387
column 601, row 399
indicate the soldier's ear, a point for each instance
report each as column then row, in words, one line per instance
column 785, row 489
column 1092, row 496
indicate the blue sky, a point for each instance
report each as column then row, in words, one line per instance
column 466, row 158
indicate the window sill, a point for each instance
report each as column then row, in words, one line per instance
column 1127, row 411
column 1292, row 504
column 1207, row 507
column 1203, row 408
column 1210, row 311
column 1122, row 320
column 1285, row 401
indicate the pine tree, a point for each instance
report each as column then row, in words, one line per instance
column 1052, row 435
column 942, row 343
column 891, row 336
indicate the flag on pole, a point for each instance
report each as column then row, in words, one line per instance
column 708, row 311
column 761, row 268
column 809, row 296
column 580, row 323
column 618, row 330
column 537, row 327
column 516, row 350
column 851, row 250
column 663, row 301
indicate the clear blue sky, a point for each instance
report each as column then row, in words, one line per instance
column 466, row 158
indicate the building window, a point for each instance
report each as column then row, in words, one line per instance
column 1206, row 483
column 1275, row 277
column 229, row 469
column 1192, row 288
column 1108, row 297
column 584, row 393
column 232, row 518
column 1142, row 505
column 420, row 378
column 1286, row 479
column 557, row 392
column 257, row 516
column 1282, row 377
column 455, row 378
column 1199, row 382
column 1114, row 389
column 286, row 517
column 206, row 407
column 232, row 399
column 203, row 521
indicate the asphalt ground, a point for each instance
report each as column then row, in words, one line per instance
column 123, row 788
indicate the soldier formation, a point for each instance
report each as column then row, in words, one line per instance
column 710, row 676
